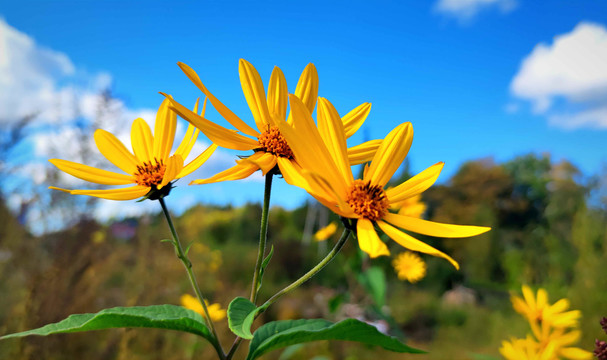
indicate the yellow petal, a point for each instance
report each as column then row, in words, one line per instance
column 529, row 297
column 164, row 131
column 434, row 228
column 574, row 353
column 115, row 151
column 542, row 298
column 412, row 243
column 368, row 240
column 292, row 173
column 60, row 189
column 92, row 174
column 197, row 162
column 355, row 118
column 323, row 189
column 223, row 137
column 364, row 152
column 240, row 171
column 309, row 148
column 192, row 303
column 331, row 131
column 265, row 162
column 416, row 185
column 191, row 134
column 218, row 105
column 278, row 95
column 129, row 193
column 142, row 140
column 252, row 87
column 307, row 87
column 173, row 167
column 390, row 155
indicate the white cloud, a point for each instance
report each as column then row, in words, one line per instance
column 67, row 101
column 567, row 80
column 465, row 10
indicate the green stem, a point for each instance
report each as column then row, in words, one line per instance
column 263, row 236
column 312, row 272
column 297, row 283
column 188, row 267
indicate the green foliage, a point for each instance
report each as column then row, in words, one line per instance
column 241, row 314
column 279, row 334
column 374, row 281
column 169, row 317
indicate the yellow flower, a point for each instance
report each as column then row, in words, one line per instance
column 267, row 142
column 327, row 176
column 539, row 312
column 526, row 349
column 150, row 168
column 409, row 266
column 550, row 325
column 326, row 232
column 215, row 311
column 413, row 206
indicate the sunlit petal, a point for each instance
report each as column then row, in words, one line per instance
column 239, row 171
column 265, row 161
column 164, row 131
column 218, row 105
column 368, row 240
column 434, row 228
column 292, row 173
column 307, row 87
column 142, row 140
column 364, row 152
column 412, row 243
column 197, row 162
column 217, row 134
column 574, row 353
column 331, row 131
column 191, row 134
column 129, row 193
column 278, row 95
column 355, row 118
column 115, row 151
column 253, row 90
column 92, row 174
column 390, row 155
column 173, row 167
column 416, row 185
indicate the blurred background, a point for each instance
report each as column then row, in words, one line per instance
column 512, row 95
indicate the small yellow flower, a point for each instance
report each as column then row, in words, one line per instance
column 215, row 311
column 552, row 327
column 526, row 349
column 270, row 147
column 150, row 168
column 326, row 174
column 409, row 266
column 539, row 312
column 326, row 232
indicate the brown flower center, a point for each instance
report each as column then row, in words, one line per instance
column 273, row 142
column 150, row 174
column 368, row 201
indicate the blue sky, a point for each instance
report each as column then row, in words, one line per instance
column 489, row 78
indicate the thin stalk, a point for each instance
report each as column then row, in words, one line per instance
column 312, row 272
column 188, row 267
column 263, row 236
column 297, row 283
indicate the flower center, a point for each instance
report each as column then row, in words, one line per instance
column 273, row 142
column 150, row 174
column 368, row 201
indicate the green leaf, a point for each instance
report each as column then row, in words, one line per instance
column 279, row 334
column 169, row 317
column 374, row 280
column 241, row 314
